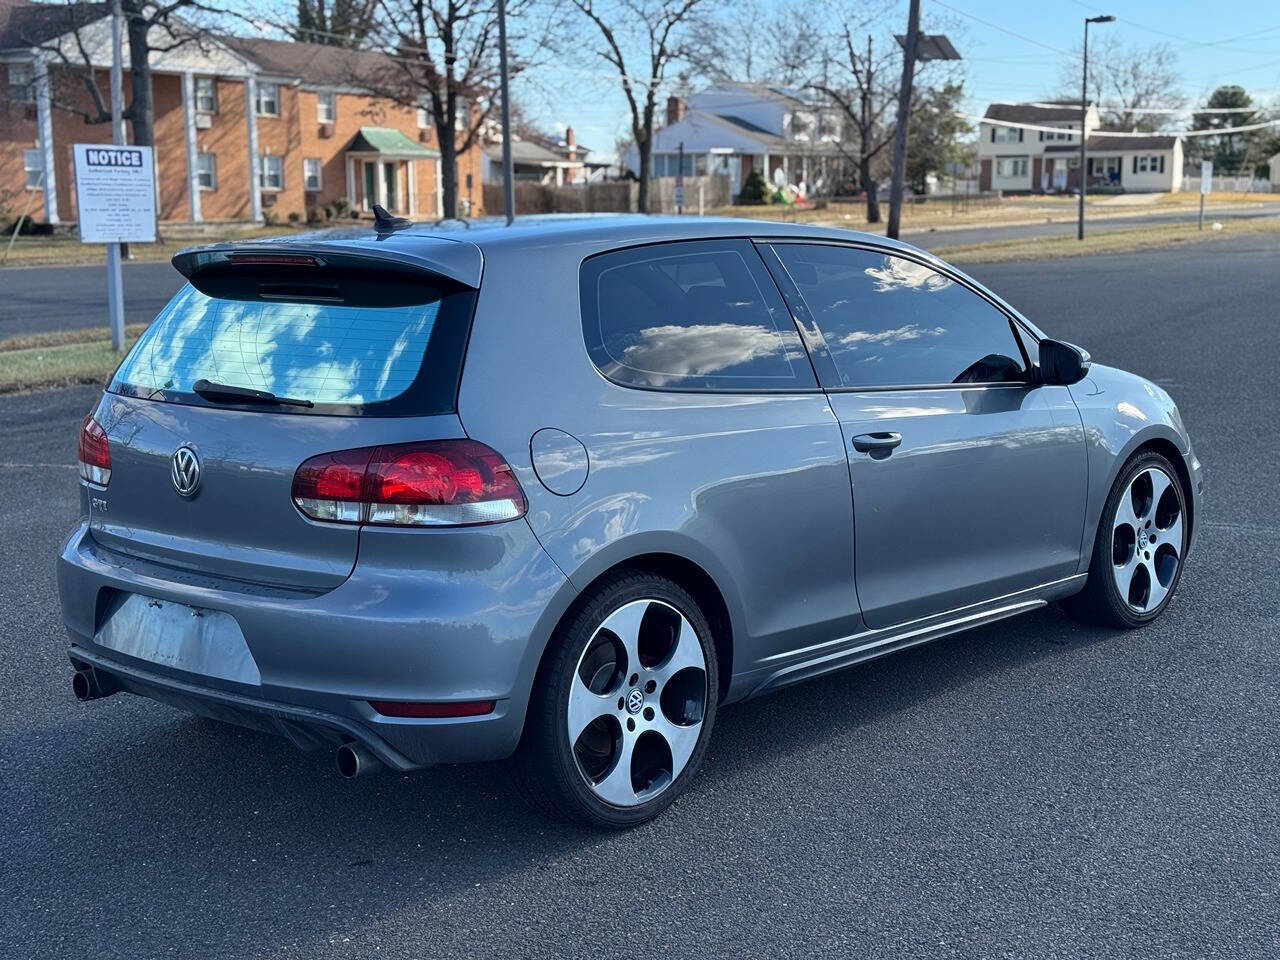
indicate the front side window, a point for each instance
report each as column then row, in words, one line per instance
column 22, row 78
column 32, row 169
column 272, row 172
column 206, row 95
column 207, row 171
column 889, row 321
column 311, row 173
column 700, row 315
column 1006, row 135
column 268, row 99
column 326, row 106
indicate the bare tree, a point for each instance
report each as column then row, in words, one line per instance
column 756, row 42
column 444, row 58
column 658, row 28
column 335, row 23
column 149, row 28
column 1130, row 77
column 862, row 87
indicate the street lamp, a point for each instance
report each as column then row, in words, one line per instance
column 1084, row 114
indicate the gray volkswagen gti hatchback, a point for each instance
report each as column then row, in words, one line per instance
column 559, row 490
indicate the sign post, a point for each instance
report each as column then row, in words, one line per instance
column 1206, row 186
column 115, row 204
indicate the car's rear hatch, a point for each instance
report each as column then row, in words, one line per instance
column 357, row 351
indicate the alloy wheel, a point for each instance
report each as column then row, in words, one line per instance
column 1147, row 540
column 637, row 702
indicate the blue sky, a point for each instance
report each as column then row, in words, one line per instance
column 1013, row 55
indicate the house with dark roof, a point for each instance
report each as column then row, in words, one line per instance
column 542, row 158
column 730, row 129
column 1035, row 148
column 245, row 128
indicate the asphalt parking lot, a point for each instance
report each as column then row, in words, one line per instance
column 1032, row 789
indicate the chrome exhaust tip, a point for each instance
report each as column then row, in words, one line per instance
column 89, row 684
column 354, row 759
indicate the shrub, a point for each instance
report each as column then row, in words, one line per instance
column 754, row 190
column 294, row 216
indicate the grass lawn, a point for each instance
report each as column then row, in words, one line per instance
column 68, row 250
column 1112, row 241
column 42, row 360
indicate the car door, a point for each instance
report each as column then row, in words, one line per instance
column 968, row 478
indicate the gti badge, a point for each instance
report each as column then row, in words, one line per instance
column 185, row 471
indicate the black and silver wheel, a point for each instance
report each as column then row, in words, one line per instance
column 1141, row 543
column 623, row 704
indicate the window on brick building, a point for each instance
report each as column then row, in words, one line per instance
column 326, row 106
column 22, row 82
column 269, row 99
column 207, row 171
column 33, row 169
column 271, row 171
column 311, row 173
column 206, row 95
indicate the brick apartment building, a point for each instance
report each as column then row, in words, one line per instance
column 245, row 129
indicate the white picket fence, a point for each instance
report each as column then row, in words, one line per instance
column 1230, row 184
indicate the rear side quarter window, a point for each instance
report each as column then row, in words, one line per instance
column 700, row 315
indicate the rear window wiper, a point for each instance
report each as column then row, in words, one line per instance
column 226, row 393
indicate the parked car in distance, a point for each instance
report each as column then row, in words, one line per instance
column 558, row 491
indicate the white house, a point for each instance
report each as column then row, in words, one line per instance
column 734, row 128
column 1015, row 159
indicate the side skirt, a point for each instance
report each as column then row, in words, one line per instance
column 860, row 647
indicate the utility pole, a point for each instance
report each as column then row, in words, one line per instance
column 508, row 174
column 921, row 47
column 864, row 166
column 115, row 282
column 1084, row 117
column 909, row 50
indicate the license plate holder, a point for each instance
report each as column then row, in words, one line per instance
column 188, row 638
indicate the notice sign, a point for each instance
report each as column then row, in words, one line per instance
column 115, row 194
column 1206, row 177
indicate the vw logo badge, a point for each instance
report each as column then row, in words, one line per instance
column 185, row 471
column 635, row 700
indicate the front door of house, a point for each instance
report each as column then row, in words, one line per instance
column 370, row 184
column 389, row 178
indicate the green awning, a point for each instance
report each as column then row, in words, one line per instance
column 389, row 142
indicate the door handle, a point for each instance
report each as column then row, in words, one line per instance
column 874, row 443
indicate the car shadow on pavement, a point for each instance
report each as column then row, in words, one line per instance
column 185, row 821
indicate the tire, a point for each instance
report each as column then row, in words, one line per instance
column 1139, row 525
column 633, row 668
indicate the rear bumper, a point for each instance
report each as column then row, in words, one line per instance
column 419, row 619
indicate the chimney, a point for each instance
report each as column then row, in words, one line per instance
column 571, row 142
column 675, row 110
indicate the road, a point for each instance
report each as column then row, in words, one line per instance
column 1031, row 789
column 37, row 299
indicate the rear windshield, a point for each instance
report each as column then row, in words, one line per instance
column 343, row 359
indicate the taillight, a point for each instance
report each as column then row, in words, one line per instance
column 95, row 453
column 430, row 484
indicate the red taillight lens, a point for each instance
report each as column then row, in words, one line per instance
column 95, row 453
column 456, row 708
column 330, row 486
column 429, row 484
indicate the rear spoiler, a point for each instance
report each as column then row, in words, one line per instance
column 437, row 257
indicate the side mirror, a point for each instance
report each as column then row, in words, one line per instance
column 1062, row 364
